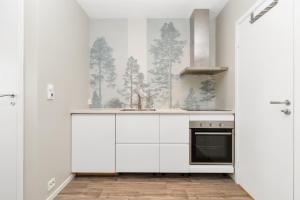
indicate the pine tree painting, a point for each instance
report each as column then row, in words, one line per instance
column 166, row 51
column 192, row 102
column 114, row 103
column 102, row 69
column 134, row 82
column 208, row 90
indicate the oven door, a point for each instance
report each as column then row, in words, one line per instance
column 211, row 146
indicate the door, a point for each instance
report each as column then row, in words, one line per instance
column 297, row 101
column 265, row 129
column 211, row 146
column 174, row 158
column 10, row 66
column 93, row 143
column 174, row 129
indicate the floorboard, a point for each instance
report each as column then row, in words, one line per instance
column 154, row 187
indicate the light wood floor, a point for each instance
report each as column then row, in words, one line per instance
column 153, row 187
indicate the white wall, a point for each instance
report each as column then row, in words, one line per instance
column 225, row 49
column 56, row 52
column 297, row 101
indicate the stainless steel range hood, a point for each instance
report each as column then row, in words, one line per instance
column 200, row 45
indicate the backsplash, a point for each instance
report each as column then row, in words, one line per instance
column 144, row 56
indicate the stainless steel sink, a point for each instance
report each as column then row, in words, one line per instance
column 136, row 110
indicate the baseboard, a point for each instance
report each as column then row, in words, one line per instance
column 61, row 187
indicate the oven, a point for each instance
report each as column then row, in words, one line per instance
column 211, row 142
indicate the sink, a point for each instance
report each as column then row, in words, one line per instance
column 136, row 110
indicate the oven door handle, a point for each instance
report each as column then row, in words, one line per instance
column 212, row 133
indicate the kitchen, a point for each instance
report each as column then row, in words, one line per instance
column 149, row 99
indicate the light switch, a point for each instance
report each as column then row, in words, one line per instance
column 50, row 92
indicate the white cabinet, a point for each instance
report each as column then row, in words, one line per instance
column 137, row 158
column 137, row 128
column 174, row 158
column 93, row 143
column 174, row 129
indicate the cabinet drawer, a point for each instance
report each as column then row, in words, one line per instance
column 174, row 129
column 137, row 129
column 137, row 158
column 174, row 158
column 93, row 143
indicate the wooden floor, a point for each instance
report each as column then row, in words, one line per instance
column 153, row 187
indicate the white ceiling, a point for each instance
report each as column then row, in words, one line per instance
column 148, row 8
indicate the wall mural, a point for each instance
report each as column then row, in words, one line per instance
column 102, row 70
column 116, row 78
column 166, row 51
column 133, row 82
column 206, row 94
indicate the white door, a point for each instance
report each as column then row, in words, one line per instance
column 265, row 74
column 297, row 101
column 10, row 65
column 174, row 158
column 93, row 143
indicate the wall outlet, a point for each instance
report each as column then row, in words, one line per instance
column 50, row 92
column 51, row 183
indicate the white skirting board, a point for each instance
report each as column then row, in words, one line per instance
column 61, row 187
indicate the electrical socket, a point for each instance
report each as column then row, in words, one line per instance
column 51, row 183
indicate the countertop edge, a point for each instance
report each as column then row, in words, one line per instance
column 117, row 111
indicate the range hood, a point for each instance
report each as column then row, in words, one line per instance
column 200, row 45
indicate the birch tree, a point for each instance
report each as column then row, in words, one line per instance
column 102, row 69
column 166, row 51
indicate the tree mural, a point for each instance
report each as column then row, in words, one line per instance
column 208, row 90
column 166, row 51
column 134, row 82
column 192, row 101
column 114, row 103
column 102, row 69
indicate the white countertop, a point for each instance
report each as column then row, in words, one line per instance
column 158, row 111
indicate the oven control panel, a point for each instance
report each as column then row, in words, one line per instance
column 212, row 124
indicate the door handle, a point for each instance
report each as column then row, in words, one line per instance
column 286, row 102
column 8, row 95
column 287, row 111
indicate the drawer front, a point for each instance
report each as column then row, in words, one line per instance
column 174, row 158
column 137, row 129
column 137, row 158
column 174, row 129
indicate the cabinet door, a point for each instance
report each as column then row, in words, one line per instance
column 174, row 158
column 174, row 129
column 137, row 158
column 137, row 129
column 93, row 143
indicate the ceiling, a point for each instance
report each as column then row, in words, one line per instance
column 148, row 8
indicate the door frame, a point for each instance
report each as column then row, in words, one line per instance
column 296, row 94
column 20, row 103
column 296, row 100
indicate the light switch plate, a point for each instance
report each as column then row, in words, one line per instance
column 50, row 92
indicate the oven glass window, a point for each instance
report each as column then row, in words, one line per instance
column 210, row 148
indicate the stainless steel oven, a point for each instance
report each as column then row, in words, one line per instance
column 211, row 142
